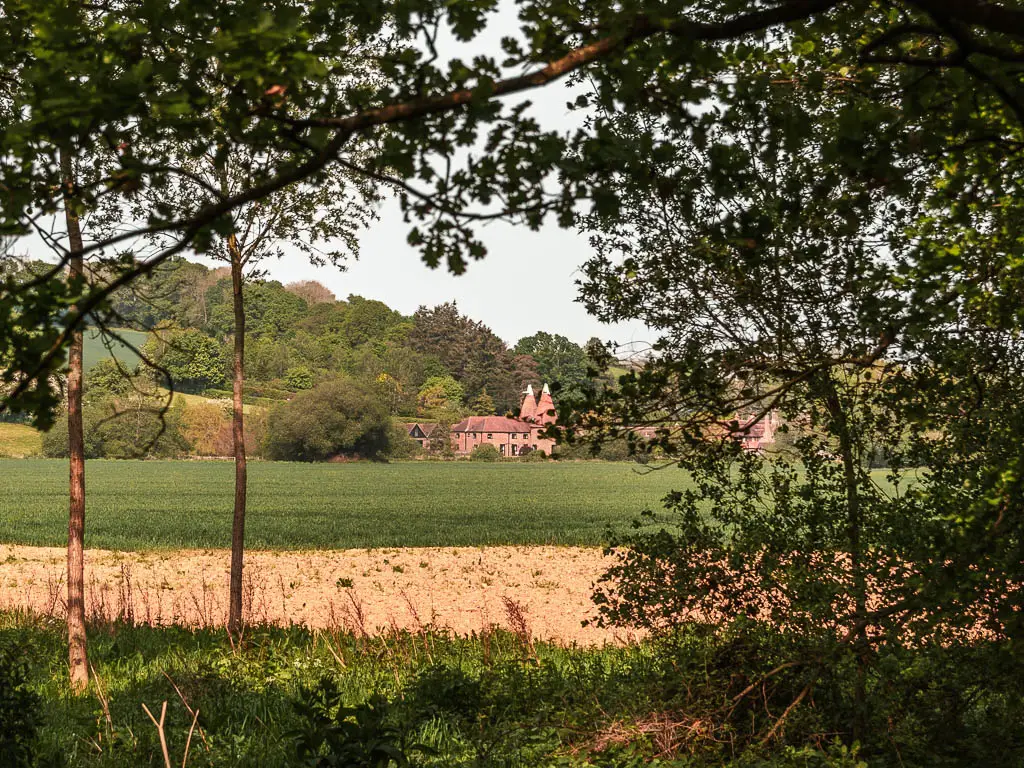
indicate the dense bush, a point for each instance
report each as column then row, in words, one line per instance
column 206, row 429
column 698, row 698
column 485, row 452
column 609, row 450
column 20, row 713
column 336, row 418
column 194, row 360
column 135, row 427
column 299, row 378
column 402, row 446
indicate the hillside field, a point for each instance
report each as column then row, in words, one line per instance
column 96, row 346
column 138, row 505
column 19, row 440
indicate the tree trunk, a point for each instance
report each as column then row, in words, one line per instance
column 854, row 524
column 238, row 437
column 77, row 658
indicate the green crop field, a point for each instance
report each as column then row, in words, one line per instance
column 169, row 504
column 95, row 347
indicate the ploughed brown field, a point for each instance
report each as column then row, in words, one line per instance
column 541, row 590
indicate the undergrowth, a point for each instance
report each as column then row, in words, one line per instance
column 291, row 697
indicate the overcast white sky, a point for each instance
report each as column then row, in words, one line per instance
column 526, row 283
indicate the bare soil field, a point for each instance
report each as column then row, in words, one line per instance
column 543, row 592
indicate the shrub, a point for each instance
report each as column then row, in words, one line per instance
column 402, row 446
column 134, row 427
column 19, row 707
column 485, row 452
column 203, row 427
column 331, row 734
column 192, row 358
column 299, row 378
column 336, row 418
column 610, row 450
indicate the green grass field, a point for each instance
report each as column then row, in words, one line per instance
column 94, row 347
column 136, row 505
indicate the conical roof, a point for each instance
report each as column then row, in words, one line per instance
column 546, row 407
column 528, row 410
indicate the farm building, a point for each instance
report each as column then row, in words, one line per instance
column 510, row 436
column 757, row 434
column 754, row 433
column 420, row 432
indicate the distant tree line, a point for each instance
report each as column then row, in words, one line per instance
column 330, row 377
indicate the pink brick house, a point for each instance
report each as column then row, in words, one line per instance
column 756, row 437
column 509, row 436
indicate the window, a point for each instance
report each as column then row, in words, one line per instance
column 526, row 436
column 489, row 435
column 515, row 450
column 501, row 449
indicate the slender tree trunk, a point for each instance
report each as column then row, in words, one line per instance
column 854, row 524
column 77, row 658
column 238, row 436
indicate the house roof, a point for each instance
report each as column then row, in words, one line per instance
column 544, row 407
column 529, row 407
column 491, row 424
column 749, row 429
column 426, row 429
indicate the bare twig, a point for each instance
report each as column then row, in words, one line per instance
column 160, row 730
column 188, row 741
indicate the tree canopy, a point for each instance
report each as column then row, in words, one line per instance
column 827, row 239
column 559, row 361
column 928, row 86
column 337, row 418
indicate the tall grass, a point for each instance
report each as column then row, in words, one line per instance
column 697, row 699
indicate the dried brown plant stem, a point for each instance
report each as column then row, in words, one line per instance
column 782, row 720
column 160, row 730
column 188, row 741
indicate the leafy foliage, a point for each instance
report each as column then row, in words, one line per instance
column 438, row 700
column 332, row 734
column 124, row 417
column 335, row 418
column 485, row 452
column 927, row 110
column 20, row 707
column 560, row 362
column 193, row 360
column 786, row 273
column 471, row 353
